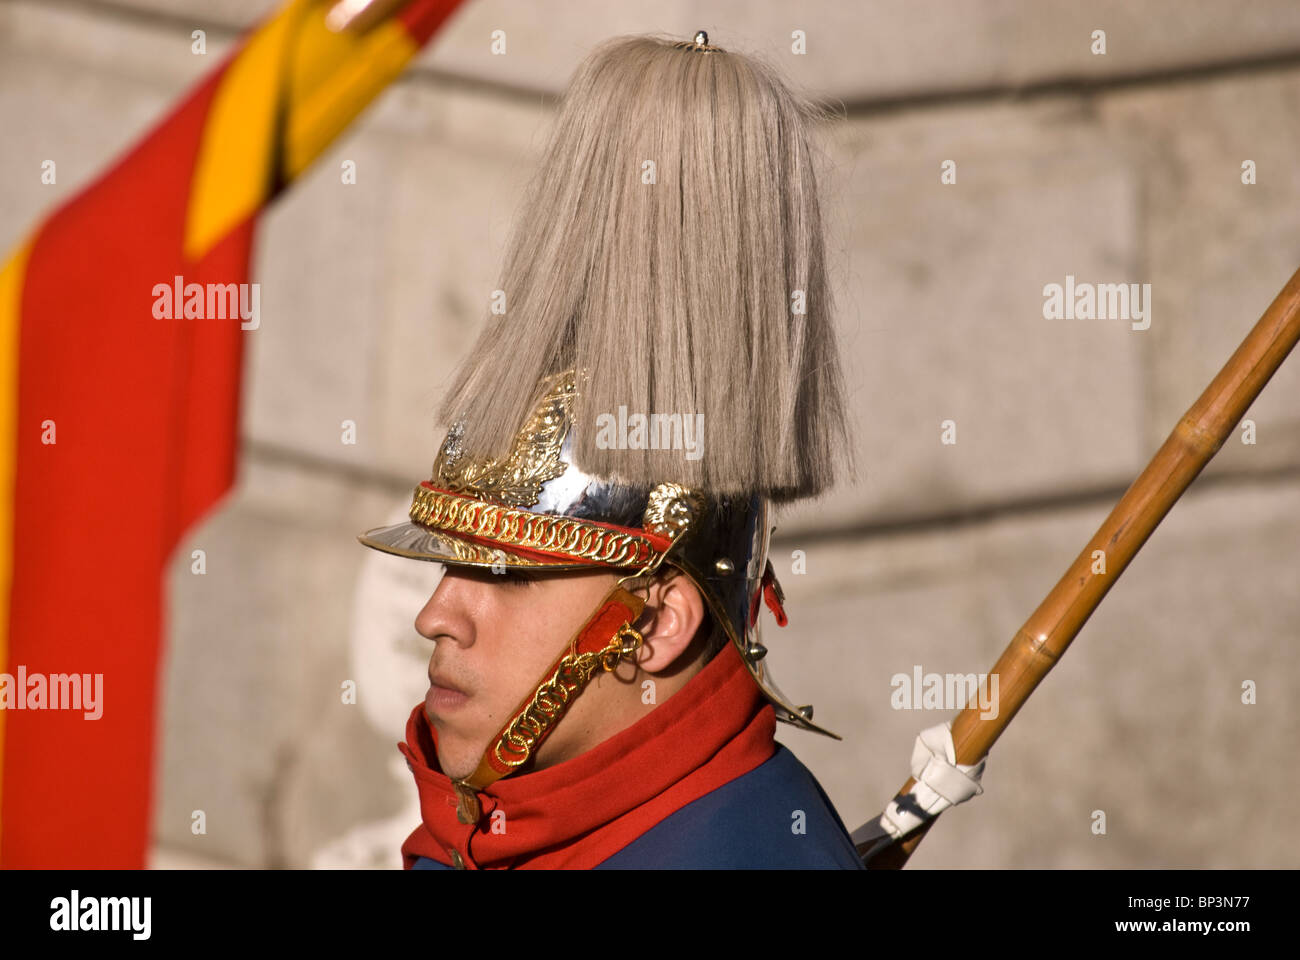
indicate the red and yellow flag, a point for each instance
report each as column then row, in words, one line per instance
column 119, row 428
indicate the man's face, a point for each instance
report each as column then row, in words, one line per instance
column 496, row 635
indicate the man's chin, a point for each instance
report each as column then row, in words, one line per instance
column 457, row 761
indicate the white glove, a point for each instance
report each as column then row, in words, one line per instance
column 941, row 782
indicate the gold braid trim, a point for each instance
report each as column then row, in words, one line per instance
column 554, row 695
column 535, row 531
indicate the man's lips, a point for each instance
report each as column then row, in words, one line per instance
column 443, row 696
column 441, row 680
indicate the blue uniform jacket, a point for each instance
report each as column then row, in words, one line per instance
column 775, row 817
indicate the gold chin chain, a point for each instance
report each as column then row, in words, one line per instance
column 554, row 695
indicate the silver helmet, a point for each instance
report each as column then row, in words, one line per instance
column 535, row 508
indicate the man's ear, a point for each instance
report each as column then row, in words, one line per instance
column 675, row 611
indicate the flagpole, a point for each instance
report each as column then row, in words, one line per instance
column 359, row 16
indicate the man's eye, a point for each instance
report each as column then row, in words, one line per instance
column 516, row 579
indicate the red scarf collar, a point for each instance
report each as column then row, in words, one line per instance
column 580, row 812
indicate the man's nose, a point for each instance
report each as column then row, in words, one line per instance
column 448, row 613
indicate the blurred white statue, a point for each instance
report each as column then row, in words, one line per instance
column 390, row 663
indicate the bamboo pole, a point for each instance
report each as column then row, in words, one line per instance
column 1040, row 643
